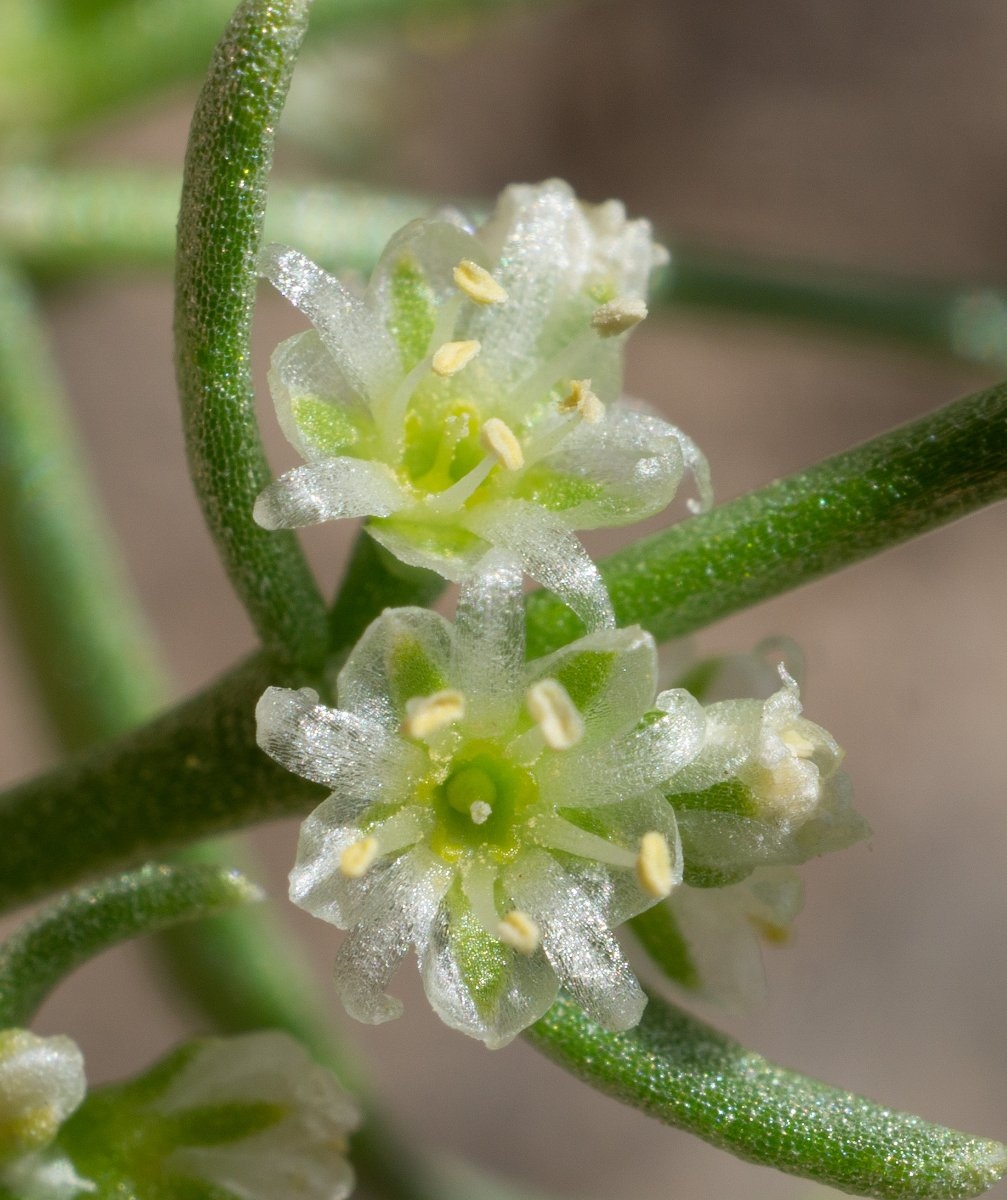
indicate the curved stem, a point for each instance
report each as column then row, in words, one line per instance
column 219, row 233
column 686, row 1074
column 898, row 486
column 83, row 923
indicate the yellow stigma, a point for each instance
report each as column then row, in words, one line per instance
column 653, row 865
column 583, row 402
column 450, row 358
column 499, row 439
column 478, row 284
column 355, row 861
column 426, row 715
column 520, row 932
column 555, row 714
column 617, row 316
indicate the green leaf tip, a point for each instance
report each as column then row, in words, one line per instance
column 88, row 920
column 688, row 1075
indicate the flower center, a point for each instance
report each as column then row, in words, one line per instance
column 481, row 805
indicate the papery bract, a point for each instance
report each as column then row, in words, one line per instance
column 501, row 817
column 470, row 397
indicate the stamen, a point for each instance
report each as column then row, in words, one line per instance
column 583, row 402
column 617, row 316
column 520, row 932
column 480, row 812
column 653, row 865
column 499, row 439
column 478, row 284
column 450, row 358
column 426, row 715
column 356, row 859
column 555, row 714
column 801, row 746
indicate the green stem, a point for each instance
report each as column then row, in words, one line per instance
column 84, row 636
column 898, row 486
column 219, row 233
column 686, row 1074
column 83, row 923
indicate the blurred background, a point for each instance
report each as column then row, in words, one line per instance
column 871, row 136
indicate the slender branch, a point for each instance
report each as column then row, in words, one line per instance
column 686, row 1074
column 898, row 486
column 83, row 923
column 219, row 233
column 61, row 576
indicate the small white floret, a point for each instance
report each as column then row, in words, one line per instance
column 653, row 865
column 478, row 284
column 450, row 358
column 555, row 714
column 583, row 402
column 480, row 812
column 500, row 440
column 358, row 858
column 426, row 715
column 520, row 932
column 617, row 316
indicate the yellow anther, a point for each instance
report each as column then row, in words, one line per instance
column 653, row 865
column 430, row 714
column 356, row 860
column 478, row 284
column 617, row 316
column 520, row 932
column 556, row 715
column 450, row 358
column 583, row 401
column 796, row 741
column 499, row 439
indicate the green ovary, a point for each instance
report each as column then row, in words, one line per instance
column 481, row 806
column 441, row 442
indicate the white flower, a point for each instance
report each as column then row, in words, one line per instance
column 501, row 817
column 41, row 1083
column 251, row 1117
column 470, row 398
column 766, row 789
column 298, row 1154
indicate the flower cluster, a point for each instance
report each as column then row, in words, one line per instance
column 471, row 397
column 504, row 817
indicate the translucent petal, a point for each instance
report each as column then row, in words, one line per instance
column 41, row 1083
column 549, row 553
column 435, row 246
column 339, row 749
column 328, row 491
column 450, row 551
column 302, row 367
column 489, row 645
column 635, row 460
column 646, row 757
column 360, row 345
column 617, row 890
column 610, row 675
column 525, row 991
column 276, row 1162
column 316, row 882
column 576, row 940
column 401, row 913
column 406, row 652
